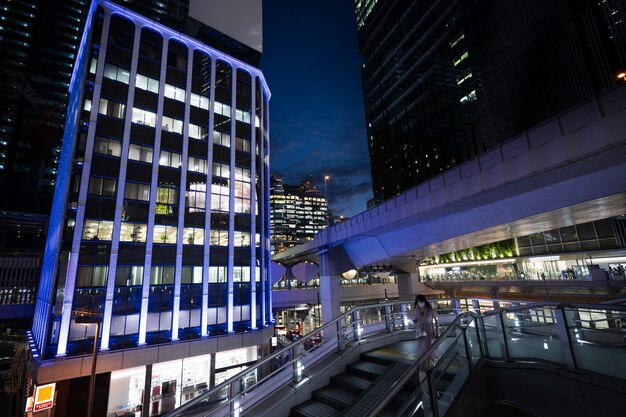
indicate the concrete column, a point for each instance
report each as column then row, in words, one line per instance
column 409, row 284
column 333, row 262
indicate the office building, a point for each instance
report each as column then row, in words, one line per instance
column 445, row 81
column 160, row 220
column 297, row 212
column 38, row 47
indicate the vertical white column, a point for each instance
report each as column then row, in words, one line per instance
column 181, row 201
column 70, row 281
column 253, row 315
column 231, row 199
column 145, row 293
column 207, row 210
column 119, row 201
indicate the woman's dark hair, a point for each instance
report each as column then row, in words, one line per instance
column 421, row 298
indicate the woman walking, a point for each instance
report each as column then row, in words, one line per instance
column 425, row 319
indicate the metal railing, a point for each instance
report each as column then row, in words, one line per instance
column 588, row 338
column 286, row 365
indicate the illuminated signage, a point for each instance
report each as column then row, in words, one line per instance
column 29, row 404
column 44, row 397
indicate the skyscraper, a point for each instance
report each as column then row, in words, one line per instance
column 160, row 221
column 297, row 212
column 444, row 81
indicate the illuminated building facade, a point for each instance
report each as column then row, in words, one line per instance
column 445, row 81
column 160, row 220
column 297, row 212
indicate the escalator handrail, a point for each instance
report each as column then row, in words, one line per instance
column 408, row 374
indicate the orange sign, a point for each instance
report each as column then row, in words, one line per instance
column 29, row 404
column 44, row 397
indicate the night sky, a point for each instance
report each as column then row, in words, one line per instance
column 317, row 125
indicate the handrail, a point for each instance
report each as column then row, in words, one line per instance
column 408, row 374
column 331, row 326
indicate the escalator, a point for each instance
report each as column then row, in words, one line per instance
column 527, row 360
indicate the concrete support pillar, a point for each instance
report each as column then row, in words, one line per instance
column 409, row 284
column 333, row 262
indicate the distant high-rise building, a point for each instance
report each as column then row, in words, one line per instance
column 160, row 218
column 444, row 81
column 297, row 212
column 38, row 45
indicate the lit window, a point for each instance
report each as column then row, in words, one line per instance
column 102, row 186
column 220, row 138
column 172, row 125
column 460, row 58
column 198, row 132
column 133, row 232
column 219, row 238
column 170, row 159
column 193, row 236
column 197, row 165
column 116, row 73
column 217, row 274
column 146, row 83
column 199, row 101
column 144, row 117
column 140, row 153
column 97, row 230
column 470, row 97
column 175, row 93
column 137, row 191
column 112, row 108
column 165, row 234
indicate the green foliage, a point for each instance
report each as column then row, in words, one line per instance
column 496, row 250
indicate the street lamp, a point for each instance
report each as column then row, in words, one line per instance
column 88, row 320
column 326, row 178
column 621, row 76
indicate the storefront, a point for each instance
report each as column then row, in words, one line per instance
column 174, row 383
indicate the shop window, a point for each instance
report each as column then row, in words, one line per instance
column 126, row 392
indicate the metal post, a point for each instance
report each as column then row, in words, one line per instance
column 298, row 366
column 356, row 324
column 566, row 343
column 389, row 319
column 502, row 330
column 92, row 378
column 468, row 351
column 403, row 315
column 341, row 342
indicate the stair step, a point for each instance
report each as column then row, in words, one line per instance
column 314, row 408
column 350, row 382
column 366, row 369
column 335, row 396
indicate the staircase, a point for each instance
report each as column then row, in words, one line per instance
column 344, row 389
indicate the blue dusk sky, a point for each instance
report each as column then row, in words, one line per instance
column 317, row 124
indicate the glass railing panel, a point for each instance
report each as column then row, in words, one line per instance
column 598, row 340
column 473, row 342
column 449, row 374
column 492, row 337
column 533, row 333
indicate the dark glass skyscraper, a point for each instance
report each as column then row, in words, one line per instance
column 444, row 81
